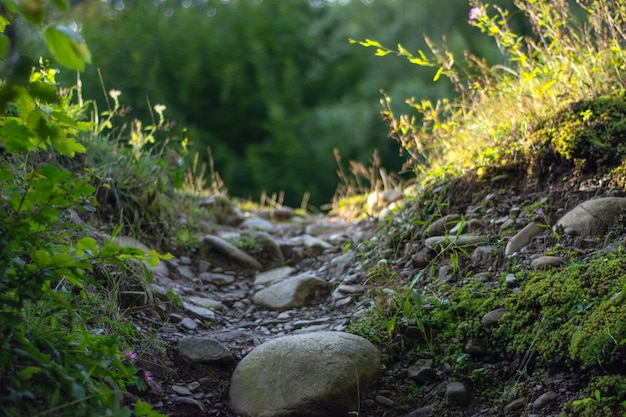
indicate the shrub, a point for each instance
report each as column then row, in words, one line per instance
column 55, row 352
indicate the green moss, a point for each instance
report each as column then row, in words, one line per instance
column 605, row 398
column 571, row 316
column 590, row 133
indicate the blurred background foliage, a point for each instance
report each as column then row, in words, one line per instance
column 271, row 86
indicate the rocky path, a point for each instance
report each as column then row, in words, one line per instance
column 281, row 278
column 248, row 284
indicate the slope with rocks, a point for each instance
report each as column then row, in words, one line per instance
column 484, row 295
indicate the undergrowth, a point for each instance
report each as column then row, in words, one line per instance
column 67, row 344
column 555, row 101
column 576, row 54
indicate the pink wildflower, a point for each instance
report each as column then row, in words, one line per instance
column 475, row 13
column 147, row 376
column 131, row 355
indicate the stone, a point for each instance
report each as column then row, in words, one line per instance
column 266, row 249
column 423, row 257
column 483, row 256
column 225, row 211
column 195, row 404
column 510, row 280
column 217, row 278
column 426, row 411
column 207, row 303
column 493, row 317
column 232, row 252
column 435, row 242
column 309, row 375
column 422, row 371
column 203, row 350
column 200, row 312
column 180, row 390
column 546, row 262
column 293, row 292
column 457, row 394
column 325, row 228
column 379, row 200
column 273, row 275
column 311, row 243
column 515, row 405
column 593, row 216
column 523, row 237
column 279, row 214
column 439, row 226
column 257, row 223
column 185, row 272
column 351, row 289
column 386, row 401
column 338, row 264
column 188, row 323
column 544, row 399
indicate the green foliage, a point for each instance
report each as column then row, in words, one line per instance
column 136, row 179
column 575, row 53
column 606, row 398
column 56, row 355
column 587, row 132
column 576, row 314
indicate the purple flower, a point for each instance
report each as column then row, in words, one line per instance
column 147, row 376
column 475, row 13
column 539, row 212
column 131, row 355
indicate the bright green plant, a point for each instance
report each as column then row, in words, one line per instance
column 576, row 53
column 55, row 356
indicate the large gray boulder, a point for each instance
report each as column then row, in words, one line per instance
column 309, row 375
column 593, row 216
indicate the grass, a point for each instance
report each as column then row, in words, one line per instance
column 576, row 53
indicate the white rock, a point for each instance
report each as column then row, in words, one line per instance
column 231, row 251
column 273, row 275
column 310, row 374
column 293, row 292
column 593, row 216
column 435, row 242
column 523, row 237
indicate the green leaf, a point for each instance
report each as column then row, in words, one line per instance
column 16, row 136
column 66, row 146
column 63, row 117
column 4, row 47
column 41, row 258
column 4, row 22
column 64, row 260
column 46, row 93
column 438, row 74
column 87, row 244
column 28, row 372
column 142, row 409
column 369, row 42
column 67, row 47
